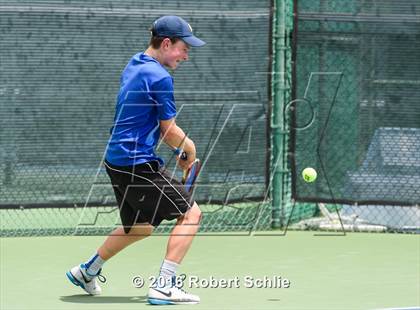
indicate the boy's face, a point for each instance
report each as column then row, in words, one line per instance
column 174, row 54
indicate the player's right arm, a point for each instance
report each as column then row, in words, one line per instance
column 175, row 137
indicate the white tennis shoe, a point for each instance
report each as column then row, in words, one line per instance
column 78, row 276
column 171, row 295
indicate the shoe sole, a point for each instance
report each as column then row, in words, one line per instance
column 155, row 301
column 78, row 283
column 74, row 280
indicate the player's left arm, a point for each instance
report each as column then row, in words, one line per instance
column 176, row 138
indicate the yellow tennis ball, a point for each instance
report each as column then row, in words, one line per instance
column 309, row 174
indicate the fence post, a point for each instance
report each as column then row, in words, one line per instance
column 277, row 115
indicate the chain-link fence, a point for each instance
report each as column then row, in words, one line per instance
column 61, row 64
column 356, row 116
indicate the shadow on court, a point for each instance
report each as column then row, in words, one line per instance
column 86, row 299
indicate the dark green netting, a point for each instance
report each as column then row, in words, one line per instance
column 60, row 68
column 357, row 119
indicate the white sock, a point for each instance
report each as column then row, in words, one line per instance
column 94, row 264
column 167, row 271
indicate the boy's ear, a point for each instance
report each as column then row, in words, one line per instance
column 165, row 43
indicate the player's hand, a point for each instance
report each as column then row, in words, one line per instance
column 185, row 164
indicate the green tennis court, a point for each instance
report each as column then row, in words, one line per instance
column 280, row 86
column 356, row 271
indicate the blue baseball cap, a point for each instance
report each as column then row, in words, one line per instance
column 175, row 27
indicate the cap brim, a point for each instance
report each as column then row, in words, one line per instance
column 193, row 41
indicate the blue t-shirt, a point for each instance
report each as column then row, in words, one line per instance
column 146, row 96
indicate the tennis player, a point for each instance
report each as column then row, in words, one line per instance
column 146, row 193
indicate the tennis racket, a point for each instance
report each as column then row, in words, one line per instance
column 190, row 175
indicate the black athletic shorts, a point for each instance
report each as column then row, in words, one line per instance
column 147, row 193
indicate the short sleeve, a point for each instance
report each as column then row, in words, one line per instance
column 163, row 94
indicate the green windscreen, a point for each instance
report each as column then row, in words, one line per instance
column 60, row 67
column 357, row 114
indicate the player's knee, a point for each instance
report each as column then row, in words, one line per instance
column 191, row 217
column 141, row 231
column 195, row 214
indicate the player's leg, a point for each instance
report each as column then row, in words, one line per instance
column 183, row 234
column 175, row 203
column 118, row 239
column 86, row 274
column 135, row 228
column 178, row 244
